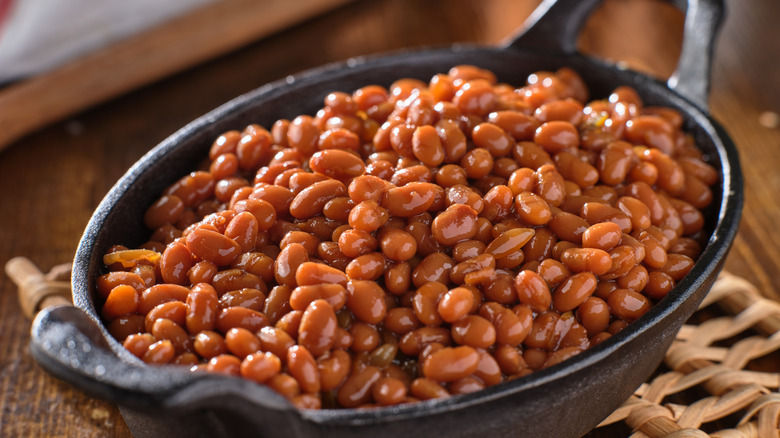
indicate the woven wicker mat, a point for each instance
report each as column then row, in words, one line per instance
column 708, row 385
column 714, row 380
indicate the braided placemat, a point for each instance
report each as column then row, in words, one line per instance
column 709, row 384
column 706, row 382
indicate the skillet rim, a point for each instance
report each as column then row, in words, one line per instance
column 703, row 272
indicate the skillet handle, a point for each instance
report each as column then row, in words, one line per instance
column 556, row 24
column 67, row 343
column 691, row 77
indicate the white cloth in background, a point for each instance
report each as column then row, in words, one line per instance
column 38, row 35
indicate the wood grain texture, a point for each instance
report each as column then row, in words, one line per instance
column 180, row 43
column 52, row 179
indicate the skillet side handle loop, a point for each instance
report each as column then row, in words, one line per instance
column 691, row 78
column 554, row 25
column 67, row 343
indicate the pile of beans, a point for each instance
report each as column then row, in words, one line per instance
column 416, row 241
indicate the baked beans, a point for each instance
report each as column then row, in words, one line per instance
column 414, row 241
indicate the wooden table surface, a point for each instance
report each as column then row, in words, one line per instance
column 52, row 179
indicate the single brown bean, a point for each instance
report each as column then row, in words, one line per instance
column 213, row 246
column 636, row 210
column 615, row 161
column 557, row 135
column 159, row 353
column 302, row 296
column 235, row 279
column 241, row 342
column 203, row 271
column 275, row 340
column 451, row 363
column 456, row 223
column 597, row 212
column 658, row 284
column 339, row 138
column 652, row 131
column 427, row 389
column 193, row 188
column 356, row 390
column 398, row 245
column 279, row 197
column 474, row 331
column 263, row 211
column 366, row 300
column 427, row 147
column 317, row 331
column 498, row 203
column 232, row 317
column 488, row 370
column 301, row 180
column 603, row 235
column 354, row 242
column 483, row 262
column 176, row 311
column 398, row 277
column 593, row 313
column 655, row 254
column 532, row 290
column 166, row 210
column 434, row 267
column 209, row 344
column 592, row 260
column 455, row 304
column 401, row 320
column 122, row 300
column 463, row 194
column 509, row 241
column 636, row 279
column 645, row 193
column 303, row 134
column 368, row 216
column 138, row 343
column 413, row 343
column 627, row 304
column 303, row 367
column 161, row 293
column 550, row 185
column 567, row 226
column 426, row 302
column 389, row 391
column 409, row 200
column 311, row 200
column 453, row 140
column 311, row 273
column 165, row 329
column 365, row 337
column 107, row 282
column 202, row 307
column 492, row 138
column 475, row 97
column 334, row 368
column 520, row 126
column 572, row 168
column 677, row 266
column 260, row 367
column 366, row 267
column 572, row 292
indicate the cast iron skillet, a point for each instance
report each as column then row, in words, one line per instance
column 565, row 400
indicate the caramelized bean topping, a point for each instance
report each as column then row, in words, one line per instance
column 416, row 241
